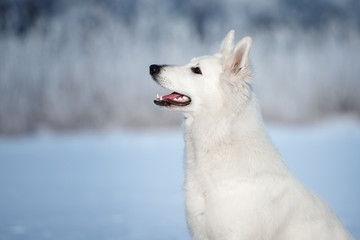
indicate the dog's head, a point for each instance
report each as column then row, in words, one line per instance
column 209, row 82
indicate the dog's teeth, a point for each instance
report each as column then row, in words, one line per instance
column 160, row 98
column 185, row 98
column 157, row 96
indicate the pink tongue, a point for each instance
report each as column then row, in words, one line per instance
column 172, row 96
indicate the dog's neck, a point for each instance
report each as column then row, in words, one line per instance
column 207, row 130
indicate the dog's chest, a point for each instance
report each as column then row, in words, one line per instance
column 213, row 168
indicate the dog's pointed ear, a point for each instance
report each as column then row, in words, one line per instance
column 240, row 56
column 227, row 44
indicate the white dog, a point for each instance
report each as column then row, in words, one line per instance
column 237, row 185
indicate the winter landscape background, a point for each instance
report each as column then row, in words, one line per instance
column 84, row 153
column 68, row 65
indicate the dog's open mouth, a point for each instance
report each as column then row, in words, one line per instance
column 174, row 98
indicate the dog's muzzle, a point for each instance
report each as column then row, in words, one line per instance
column 173, row 99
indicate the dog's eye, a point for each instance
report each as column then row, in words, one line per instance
column 196, row 70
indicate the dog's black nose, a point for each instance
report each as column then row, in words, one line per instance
column 154, row 69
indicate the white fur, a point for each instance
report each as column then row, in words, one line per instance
column 237, row 185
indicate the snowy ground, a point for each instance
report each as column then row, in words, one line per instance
column 128, row 185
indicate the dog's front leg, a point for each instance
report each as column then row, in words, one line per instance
column 195, row 211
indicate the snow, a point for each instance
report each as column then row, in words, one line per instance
column 128, row 185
